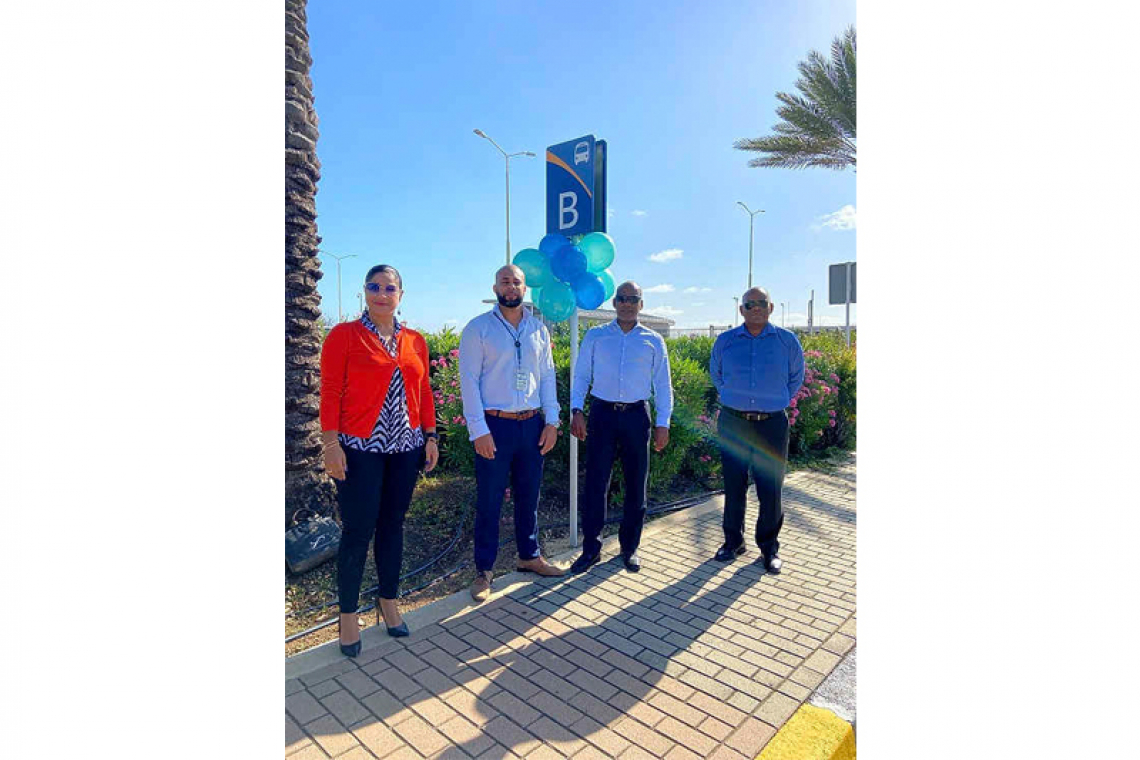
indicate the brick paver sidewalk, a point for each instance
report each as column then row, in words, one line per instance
column 687, row 659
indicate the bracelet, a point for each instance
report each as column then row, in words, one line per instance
column 327, row 446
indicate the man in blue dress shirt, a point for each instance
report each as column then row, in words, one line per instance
column 506, row 371
column 622, row 363
column 757, row 369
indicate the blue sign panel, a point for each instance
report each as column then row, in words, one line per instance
column 570, row 187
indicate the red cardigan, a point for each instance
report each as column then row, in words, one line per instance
column 356, row 371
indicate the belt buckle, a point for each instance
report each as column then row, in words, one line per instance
column 619, row 406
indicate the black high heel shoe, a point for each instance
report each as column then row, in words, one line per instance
column 349, row 650
column 395, row 632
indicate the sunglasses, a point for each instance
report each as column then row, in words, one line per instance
column 373, row 287
column 750, row 305
column 627, row 299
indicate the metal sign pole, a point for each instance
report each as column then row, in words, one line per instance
column 848, row 328
column 573, row 440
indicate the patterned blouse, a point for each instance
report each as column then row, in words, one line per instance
column 392, row 433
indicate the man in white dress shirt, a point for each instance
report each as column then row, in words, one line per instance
column 622, row 363
column 510, row 400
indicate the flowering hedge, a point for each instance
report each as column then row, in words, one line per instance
column 822, row 414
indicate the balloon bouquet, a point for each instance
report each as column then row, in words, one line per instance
column 562, row 275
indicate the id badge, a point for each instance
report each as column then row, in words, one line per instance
column 521, row 379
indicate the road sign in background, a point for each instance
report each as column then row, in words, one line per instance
column 570, row 187
column 837, row 282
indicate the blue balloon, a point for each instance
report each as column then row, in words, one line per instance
column 557, row 301
column 608, row 283
column 589, row 291
column 552, row 242
column 535, row 265
column 567, row 263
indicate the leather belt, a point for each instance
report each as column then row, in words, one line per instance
column 618, row 406
column 523, row 415
column 751, row 416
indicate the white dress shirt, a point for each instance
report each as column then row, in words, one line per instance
column 488, row 361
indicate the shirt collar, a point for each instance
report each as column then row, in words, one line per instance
column 367, row 322
column 499, row 313
column 742, row 331
column 636, row 325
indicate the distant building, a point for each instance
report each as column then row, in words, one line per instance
column 591, row 317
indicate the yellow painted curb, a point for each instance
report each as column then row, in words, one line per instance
column 813, row 733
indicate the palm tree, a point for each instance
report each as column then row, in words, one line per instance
column 306, row 484
column 818, row 128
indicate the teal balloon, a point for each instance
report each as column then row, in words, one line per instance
column 535, row 294
column 607, row 283
column 599, row 250
column 535, row 265
column 552, row 242
column 557, row 301
column 589, row 291
column 567, row 263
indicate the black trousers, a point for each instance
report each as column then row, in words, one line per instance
column 612, row 433
column 760, row 448
column 374, row 497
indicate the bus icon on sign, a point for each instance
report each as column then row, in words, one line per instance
column 581, row 153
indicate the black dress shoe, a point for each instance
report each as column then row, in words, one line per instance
column 584, row 563
column 727, row 554
column 632, row 562
column 772, row 564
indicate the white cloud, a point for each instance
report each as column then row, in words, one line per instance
column 639, row 212
column 664, row 311
column 665, row 288
column 695, row 289
column 667, row 255
column 447, row 322
column 610, row 213
column 843, row 219
column 697, row 303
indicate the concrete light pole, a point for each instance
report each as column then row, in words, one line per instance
column 339, row 311
column 751, row 215
column 508, row 157
column 736, row 309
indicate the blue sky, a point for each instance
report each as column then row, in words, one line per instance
column 669, row 85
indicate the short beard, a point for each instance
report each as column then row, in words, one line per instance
column 511, row 304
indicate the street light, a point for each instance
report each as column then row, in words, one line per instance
column 339, row 312
column 751, row 215
column 736, row 303
column 508, row 157
column 782, row 322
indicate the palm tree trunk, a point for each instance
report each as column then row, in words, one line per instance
column 306, row 484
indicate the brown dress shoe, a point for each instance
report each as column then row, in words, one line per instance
column 540, row 566
column 481, row 587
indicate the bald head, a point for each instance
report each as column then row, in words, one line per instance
column 511, row 271
column 755, row 294
column 755, row 306
column 628, row 288
column 510, row 286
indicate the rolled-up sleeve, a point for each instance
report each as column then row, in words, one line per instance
column 663, row 385
column 334, row 363
column 470, row 370
column 548, row 380
column 583, row 372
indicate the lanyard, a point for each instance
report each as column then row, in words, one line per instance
column 518, row 345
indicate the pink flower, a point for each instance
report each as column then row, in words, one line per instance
column 454, row 383
column 434, row 363
column 455, row 353
column 792, row 421
column 560, row 432
column 462, row 421
column 456, row 420
column 507, row 494
column 451, row 398
column 831, row 423
column 442, row 363
column 795, row 401
column 834, row 377
column 831, row 412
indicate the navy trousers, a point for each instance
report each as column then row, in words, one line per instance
column 518, row 461
column 759, row 447
column 610, row 434
column 374, row 498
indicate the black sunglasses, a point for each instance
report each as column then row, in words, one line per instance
column 374, row 287
column 627, row 299
column 750, row 305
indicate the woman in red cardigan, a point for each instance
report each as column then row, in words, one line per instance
column 378, row 430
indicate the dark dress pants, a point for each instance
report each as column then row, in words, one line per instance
column 759, row 447
column 612, row 433
column 518, row 460
column 374, row 498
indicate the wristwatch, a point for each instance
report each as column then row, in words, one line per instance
column 432, row 436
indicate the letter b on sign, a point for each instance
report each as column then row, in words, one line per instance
column 567, row 207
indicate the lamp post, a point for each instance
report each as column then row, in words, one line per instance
column 751, row 215
column 508, row 157
column 339, row 312
column 783, row 313
column 736, row 309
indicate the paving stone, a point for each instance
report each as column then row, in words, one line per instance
column 420, row 736
column 591, row 684
column 309, row 751
column 561, row 711
column 303, row 707
column 345, row 707
column 378, row 738
column 511, row 736
column 677, row 709
column 717, row 729
column 331, row 735
column 560, row 738
column 327, row 672
column 520, row 712
column 776, row 709
column 357, row 683
column 822, row 661
column 751, row 737
column 324, row 688
column 383, row 705
column 603, row 737
column 294, row 736
column 644, row 737
column 467, row 704
column 433, row 710
column 466, row 735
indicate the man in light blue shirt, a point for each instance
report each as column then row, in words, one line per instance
column 510, row 401
column 622, row 363
column 756, row 369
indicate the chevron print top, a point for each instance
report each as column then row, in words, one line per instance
column 392, row 432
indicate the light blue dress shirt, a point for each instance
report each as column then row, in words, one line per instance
column 624, row 367
column 488, row 361
column 757, row 373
